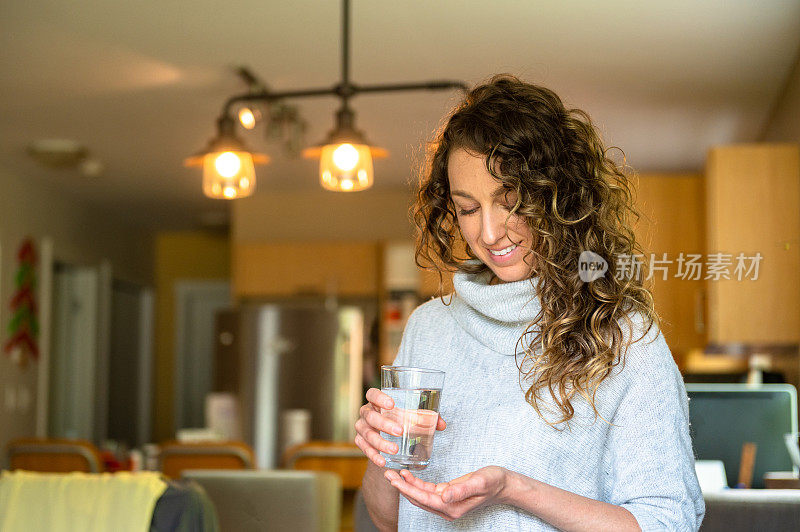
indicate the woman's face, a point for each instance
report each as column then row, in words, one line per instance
column 500, row 241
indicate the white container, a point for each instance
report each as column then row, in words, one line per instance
column 222, row 416
column 296, row 427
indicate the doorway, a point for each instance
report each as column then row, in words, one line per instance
column 75, row 350
column 100, row 362
column 196, row 305
column 130, row 364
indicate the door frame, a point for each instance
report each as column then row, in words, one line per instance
column 185, row 290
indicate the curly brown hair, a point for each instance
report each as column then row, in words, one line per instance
column 574, row 198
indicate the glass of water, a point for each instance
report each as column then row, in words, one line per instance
column 416, row 393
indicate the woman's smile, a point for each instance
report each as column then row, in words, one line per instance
column 498, row 237
column 505, row 252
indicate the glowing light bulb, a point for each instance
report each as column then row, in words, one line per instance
column 229, row 192
column 345, row 167
column 228, row 164
column 345, row 157
column 247, row 118
column 244, row 182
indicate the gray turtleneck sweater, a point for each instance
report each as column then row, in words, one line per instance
column 643, row 463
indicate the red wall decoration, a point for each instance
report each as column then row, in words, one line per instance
column 23, row 327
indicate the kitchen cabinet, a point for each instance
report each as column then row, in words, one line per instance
column 263, row 270
column 672, row 227
column 753, row 207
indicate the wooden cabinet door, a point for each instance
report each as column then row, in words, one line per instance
column 753, row 203
column 673, row 223
column 287, row 269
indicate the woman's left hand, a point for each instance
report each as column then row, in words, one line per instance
column 453, row 499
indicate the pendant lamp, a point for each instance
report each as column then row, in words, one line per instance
column 345, row 156
column 228, row 166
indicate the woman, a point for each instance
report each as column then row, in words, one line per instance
column 564, row 407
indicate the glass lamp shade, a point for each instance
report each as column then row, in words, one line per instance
column 346, row 167
column 228, row 174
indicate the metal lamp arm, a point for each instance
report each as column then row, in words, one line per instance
column 427, row 85
column 344, row 91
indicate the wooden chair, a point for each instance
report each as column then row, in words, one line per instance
column 176, row 457
column 54, row 455
column 343, row 458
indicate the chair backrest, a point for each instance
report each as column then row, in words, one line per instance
column 273, row 500
column 54, row 455
column 740, row 510
column 343, row 458
column 176, row 457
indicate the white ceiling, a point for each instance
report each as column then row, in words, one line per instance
column 141, row 82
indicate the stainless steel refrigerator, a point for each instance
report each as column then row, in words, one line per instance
column 297, row 354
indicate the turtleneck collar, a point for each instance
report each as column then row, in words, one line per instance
column 494, row 315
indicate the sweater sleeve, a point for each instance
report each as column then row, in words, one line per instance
column 649, row 459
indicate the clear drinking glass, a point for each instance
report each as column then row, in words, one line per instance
column 416, row 393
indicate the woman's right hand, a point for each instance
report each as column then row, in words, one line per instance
column 371, row 422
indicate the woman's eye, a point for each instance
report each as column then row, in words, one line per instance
column 464, row 212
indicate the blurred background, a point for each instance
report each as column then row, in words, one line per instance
column 137, row 310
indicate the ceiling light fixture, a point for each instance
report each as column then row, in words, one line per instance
column 228, row 166
column 345, row 155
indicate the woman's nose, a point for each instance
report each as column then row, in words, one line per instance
column 493, row 226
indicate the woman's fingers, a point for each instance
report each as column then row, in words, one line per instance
column 462, row 478
column 371, row 421
column 418, row 497
column 428, row 496
column 380, row 399
column 418, row 504
column 439, row 489
column 374, row 439
column 368, row 439
column 380, row 421
column 383, row 423
column 418, row 482
column 370, row 451
column 440, row 424
column 463, row 488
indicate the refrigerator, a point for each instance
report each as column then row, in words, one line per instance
column 288, row 355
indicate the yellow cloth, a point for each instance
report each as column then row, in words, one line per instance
column 55, row 502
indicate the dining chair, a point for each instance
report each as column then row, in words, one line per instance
column 175, row 457
column 344, row 459
column 54, row 455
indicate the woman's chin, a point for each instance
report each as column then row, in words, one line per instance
column 510, row 274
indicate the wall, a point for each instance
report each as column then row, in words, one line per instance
column 370, row 215
column 784, row 124
column 80, row 235
column 179, row 256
